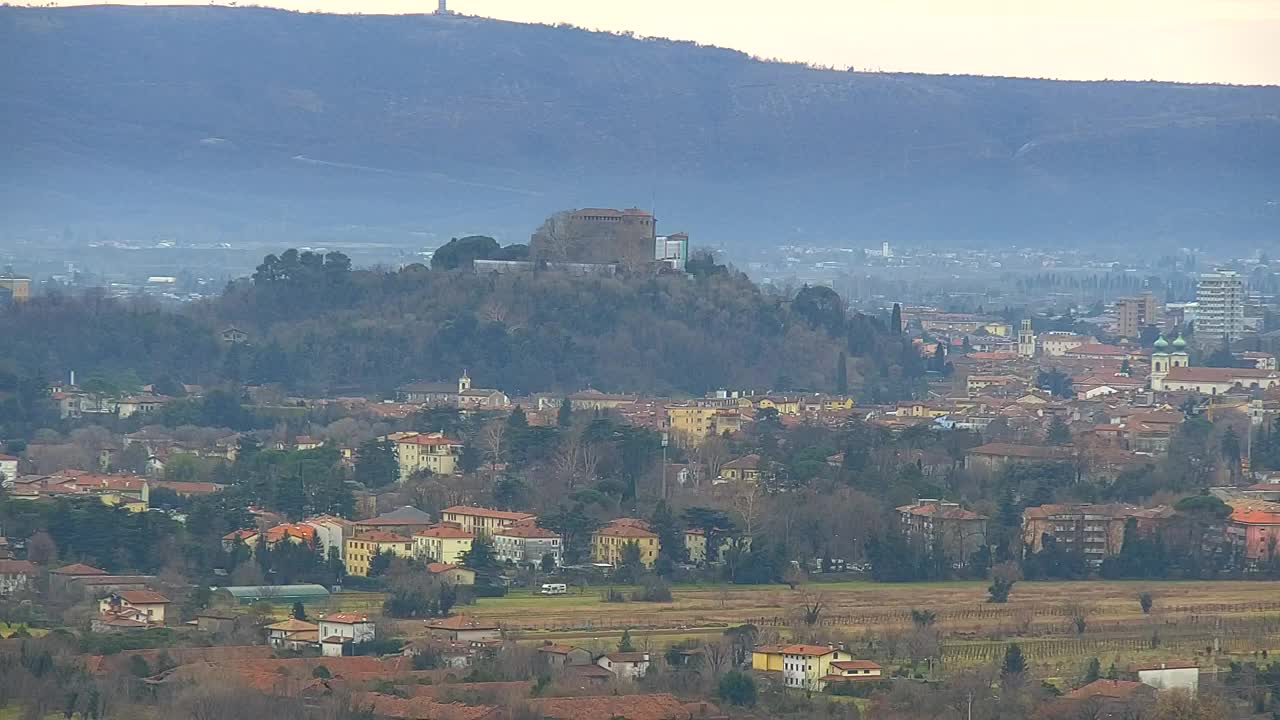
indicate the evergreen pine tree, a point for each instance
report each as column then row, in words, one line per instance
column 564, row 416
column 842, row 374
column 299, row 611
column 1014, row 662
column 895, row 320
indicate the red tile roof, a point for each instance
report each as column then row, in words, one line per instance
column 17, row 567
column 1118, row 689
column 444, row 531
column 460, row 622
column 78, row 569
column 142, row 597
column 344, row 618
column 526, row 531
column 487, row 512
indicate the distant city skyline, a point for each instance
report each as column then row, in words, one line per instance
column 1226, row 41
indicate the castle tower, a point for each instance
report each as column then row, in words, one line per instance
column 464, row 382
column 1179, row 356
column 1026, row 340
column 443, row 9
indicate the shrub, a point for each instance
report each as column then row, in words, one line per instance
column 654, row 590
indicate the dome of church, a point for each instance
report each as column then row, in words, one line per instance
column 1179, row 344
column 1161, row 343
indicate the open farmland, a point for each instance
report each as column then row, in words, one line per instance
column 1188, row 619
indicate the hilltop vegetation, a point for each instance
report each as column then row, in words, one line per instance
column 222, row 122
column 316, row 326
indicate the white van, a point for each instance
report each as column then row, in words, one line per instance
column 554, row 589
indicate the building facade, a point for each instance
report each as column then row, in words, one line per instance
column 482, row 520
column 526, row 543
column 1220, row 301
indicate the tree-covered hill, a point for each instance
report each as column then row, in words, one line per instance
column 223, row 122
column 316, row 326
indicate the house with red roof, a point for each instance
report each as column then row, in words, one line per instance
column 482, row 520
column 1254, row 532
column 339, row 632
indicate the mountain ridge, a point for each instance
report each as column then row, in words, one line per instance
column 232, row 120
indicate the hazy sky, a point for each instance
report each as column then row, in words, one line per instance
column 1236, row 41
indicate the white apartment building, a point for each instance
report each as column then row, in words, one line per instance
column 1220, row 302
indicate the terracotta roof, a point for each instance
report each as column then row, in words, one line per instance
column 17, row 567
column 240, row 535
column 1255, row 517
column 78, row 569
column 487, row 512
column 855, row 665
column 142, row 597
column 444, row 531
column 625, row 531
column 746, row 462
column 1218, row 375
column 527, row 531
column 344, row 618
column 435, row 568
column 1118, row 689
column 812, row 650
column 770, row 649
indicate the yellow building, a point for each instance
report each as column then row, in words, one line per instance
column 803, row 667
column 784, row 405
column 19, row 286
column 483, row 521
column 690, row 425
column 838, row 403
column 607, row 542
column 767, row 658
column 445, row 544
column 695, row 545
column 744, row 469
column 433, row 452
column 359, row 550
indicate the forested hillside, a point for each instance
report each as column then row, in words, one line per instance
column 224, row 123
column 316, row 326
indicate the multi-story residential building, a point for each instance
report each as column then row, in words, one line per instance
column 929, row 522
column 803, row 667
column 330, row 531
column 361, row 549
column 748, row 468
column 1254, row 533
column 435, row 453
column 1056, row 344
column 142, row 605
column 1095, row 531
column 1135, row 313
column 483, row 521
column 691, row 425
column 442, row 543
column 1220, row 301
column 526, row 543
column 608, row 542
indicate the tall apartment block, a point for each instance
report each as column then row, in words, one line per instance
column 1220, row 312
